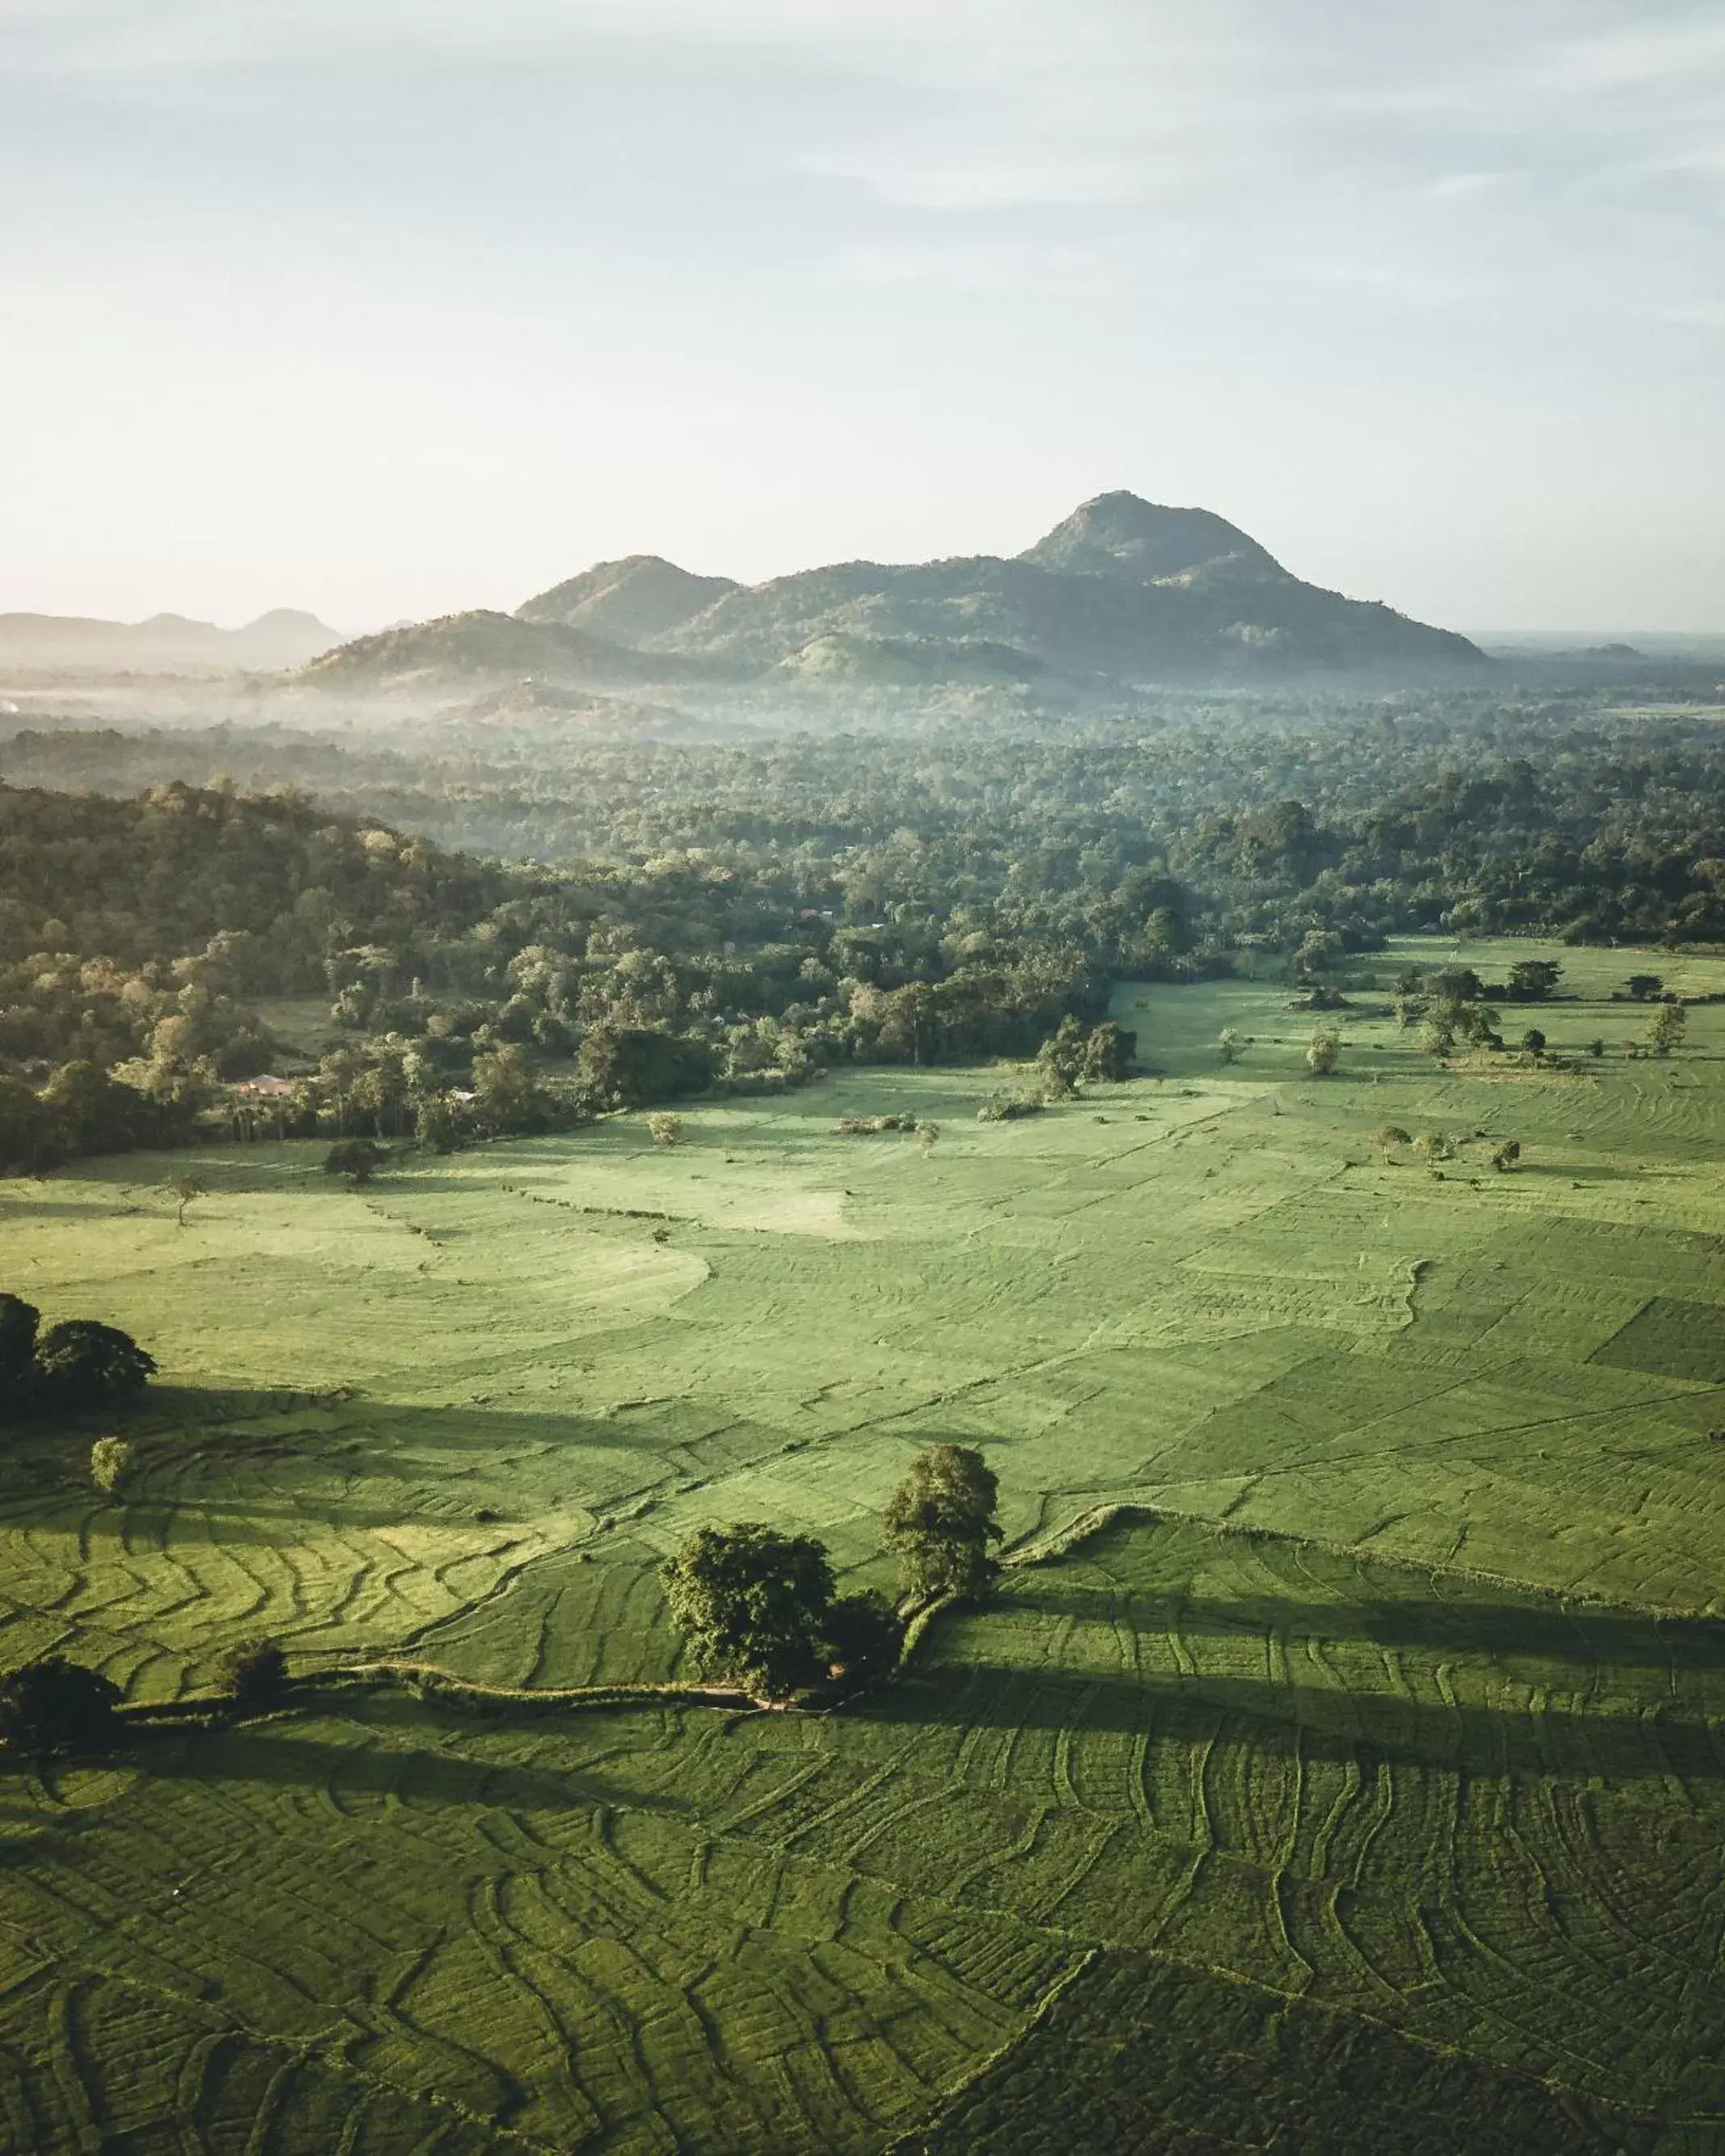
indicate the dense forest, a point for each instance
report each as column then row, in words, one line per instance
column 513, row 929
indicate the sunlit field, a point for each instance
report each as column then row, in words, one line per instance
column 1354, row 1687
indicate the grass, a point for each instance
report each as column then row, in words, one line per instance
column 1372, row 1751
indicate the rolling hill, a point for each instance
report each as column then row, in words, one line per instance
column 167, row 643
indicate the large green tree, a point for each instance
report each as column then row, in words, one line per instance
column 941, row 1522
column 82, row 1364
column 752, row 1605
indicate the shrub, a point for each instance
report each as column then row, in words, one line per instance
column 256, row 1672
column 1010, row 1108
column 667, row 1130
column 863, row 1637
column 358, row 1158
column 111, row 1458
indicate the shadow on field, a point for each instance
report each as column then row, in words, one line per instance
column 1319, row 1722
column 237, row 1463
column 1506, row 1632
column 363, row 1773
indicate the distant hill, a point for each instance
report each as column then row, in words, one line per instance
column 627, row 601
column 1122, row 586
column 167, row 643
column 459, row 648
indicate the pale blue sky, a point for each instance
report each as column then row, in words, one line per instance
column 387, row 307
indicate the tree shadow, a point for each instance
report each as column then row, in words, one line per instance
column 448, row 1463
column 281, row 1756
column 1504, row 1632
column 1315, row 1722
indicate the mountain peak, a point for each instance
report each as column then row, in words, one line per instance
column 1123, row 535
column 643, row 595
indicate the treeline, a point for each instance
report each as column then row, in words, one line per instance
column 472, row 999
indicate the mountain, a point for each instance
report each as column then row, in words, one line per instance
column 167, row 643
column 1124, row 590
column 627, row 601
column 1124, row 587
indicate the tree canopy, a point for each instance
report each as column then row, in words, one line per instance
column 941, row 1521
column 752, row 1605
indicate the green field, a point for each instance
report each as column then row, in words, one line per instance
column 1360, row 1784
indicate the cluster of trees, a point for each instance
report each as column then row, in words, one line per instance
column 760, row 1610
column 75, row 1363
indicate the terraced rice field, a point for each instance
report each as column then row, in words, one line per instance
column 1357, row 1778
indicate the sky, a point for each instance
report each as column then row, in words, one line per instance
column 387, row 308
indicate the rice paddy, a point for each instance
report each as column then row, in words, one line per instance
column 1344, row 1758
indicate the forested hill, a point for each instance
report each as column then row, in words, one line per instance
column 157, row 877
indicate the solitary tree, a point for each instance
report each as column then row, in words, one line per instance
column 1231, row 1041
column 1387, row 1137
column 56, row 1706
column 1533, row 1041
column 1324, row 1051
column 752, row 1605
column 1108, row 1053
column 1061, row 1059
column 358, row 1159
column 941, row 1520
column 182, row 1190
column 1505, row 1156
column 1666, row 1029
column 667, row 1130
column 1531, row 980
column 1433, row 1146
column 1643, row 987
column 83, row 1364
